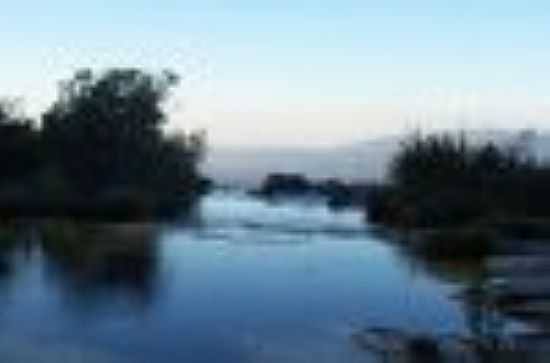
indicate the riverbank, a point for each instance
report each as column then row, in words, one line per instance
column 119, row 208
column 401, row 346
column 100, row 151
column 501, row 280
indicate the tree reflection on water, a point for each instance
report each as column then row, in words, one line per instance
column 13, row 237
column 88, row 261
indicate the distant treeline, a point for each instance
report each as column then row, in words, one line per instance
column 99, row 150
column 443, row 180
column 338, row 193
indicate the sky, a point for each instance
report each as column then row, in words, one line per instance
column 303, row 72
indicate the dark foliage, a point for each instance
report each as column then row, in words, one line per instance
column 338, row 194
column 19, row 146
column 106, row 132
column 101, row 151
column 285, row 184
column 444, row 181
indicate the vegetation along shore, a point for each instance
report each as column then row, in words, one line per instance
column 100, row 151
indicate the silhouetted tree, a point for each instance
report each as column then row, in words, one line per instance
column 285, row 184
column 105, row 130
column 442, row 180
column 19, row 145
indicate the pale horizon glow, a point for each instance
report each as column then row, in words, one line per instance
column 301, row 73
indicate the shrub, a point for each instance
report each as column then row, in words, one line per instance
column 442, row 181
column 455, row 243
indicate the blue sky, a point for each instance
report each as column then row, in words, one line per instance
column 298, row 72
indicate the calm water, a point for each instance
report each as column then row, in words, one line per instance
column 244, row 282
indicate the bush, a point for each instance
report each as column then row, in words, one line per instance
column 101, row 151
column 285, row 184
column 442, row 181
column 455, row 243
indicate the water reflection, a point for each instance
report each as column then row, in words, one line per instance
column 489, row 327
column 90, row 260
column 13, row 236
column 242, row 281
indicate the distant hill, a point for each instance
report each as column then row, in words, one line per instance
column 367, row 160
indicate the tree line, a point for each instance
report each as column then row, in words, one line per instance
column 443, row 180
column 100, row 150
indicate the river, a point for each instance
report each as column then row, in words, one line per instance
column 243, row 281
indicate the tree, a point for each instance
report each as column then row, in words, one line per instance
column 19, row 145
column 105, row 131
